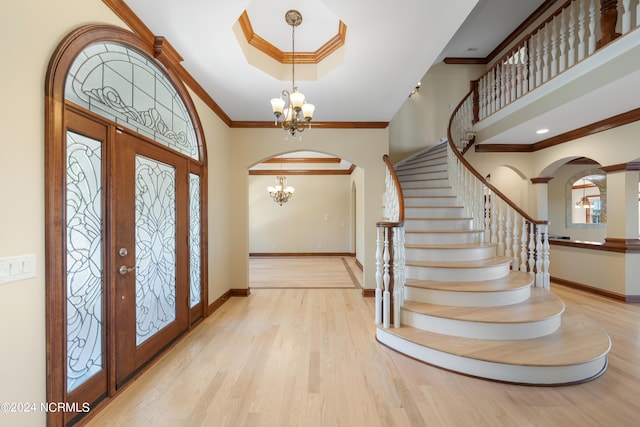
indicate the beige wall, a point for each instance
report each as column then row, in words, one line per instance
column 31, row 32
column 362, row 147
column 315, row 220
column 423, row 119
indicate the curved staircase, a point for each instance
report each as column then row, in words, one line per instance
column 465, row 310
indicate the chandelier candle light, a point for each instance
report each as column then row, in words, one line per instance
column 280, row 193
column 297, row 111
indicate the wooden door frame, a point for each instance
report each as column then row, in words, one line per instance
column 55, row 198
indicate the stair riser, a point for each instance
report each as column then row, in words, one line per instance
column 422, row 169
column 456, row 254
column 467, row 299
column 434, row 212
column 518, row 374
column 438, row 224
column 442, row 238
column 432, row 160
column 428, row 192
column 445, row 274
column 440, row 174
column 482, row 331
column 430, row 201
column 442, row 182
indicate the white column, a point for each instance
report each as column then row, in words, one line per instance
column 540, row 197
column 622, row 205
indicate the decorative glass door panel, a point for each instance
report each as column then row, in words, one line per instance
column 84, row 294
column 155, row 247
column 194, row 240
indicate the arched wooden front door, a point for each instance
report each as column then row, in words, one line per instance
column 125, row 184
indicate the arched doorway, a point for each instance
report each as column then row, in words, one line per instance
column 126, row 174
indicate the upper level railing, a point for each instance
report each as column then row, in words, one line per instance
column 576, row 30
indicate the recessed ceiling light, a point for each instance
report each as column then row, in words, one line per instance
column 542, row 131
column 472, row 49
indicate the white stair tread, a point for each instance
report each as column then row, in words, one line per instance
column 541, row 305
column 514, row 280
column 578, row 340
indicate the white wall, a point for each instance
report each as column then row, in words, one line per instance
column 315, row 220
column 357, row 185
column 31, row 31
column 423, row 119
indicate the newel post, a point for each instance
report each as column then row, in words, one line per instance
column 608, row 21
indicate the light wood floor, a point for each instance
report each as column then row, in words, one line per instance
column 308, row 357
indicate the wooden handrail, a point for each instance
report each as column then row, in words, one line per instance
column 471, row 169
column 396, row 182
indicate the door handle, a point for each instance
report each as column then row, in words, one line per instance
column 124, row 269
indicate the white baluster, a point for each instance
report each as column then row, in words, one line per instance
column 523, row 246
column 487, row 216
column 538, row 38
column 554, row 48
column 500, row 227
column 379, row 276
column 494, row 219
column 546, row 278
column 581, row 31
column 525, row 69
column 479, row 223
column 626, row 16
column 562, row 53
column 492, row 91
column 400, row 281
column 386, row 295
column 539, row 277
column 515, row 75
column 397, row 284
column 571, row 54
column 546, row 46
column 592, row 28
column 483, row 98
column 516, row 234
column 532, row 247
column 504, row 84
column 509, row 229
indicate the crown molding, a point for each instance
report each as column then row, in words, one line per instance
column 317, row 125
column 255, row 40
column 308, row 172
column 303, row 160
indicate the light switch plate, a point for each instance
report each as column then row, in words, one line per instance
column 17, row 268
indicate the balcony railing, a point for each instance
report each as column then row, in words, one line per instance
column 576, row 30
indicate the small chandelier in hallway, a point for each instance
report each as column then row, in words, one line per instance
column 297, row 112
column 584, row 202
column 280, row 193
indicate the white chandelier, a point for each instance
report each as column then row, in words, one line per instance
column 280, row 193
column 297, row 111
